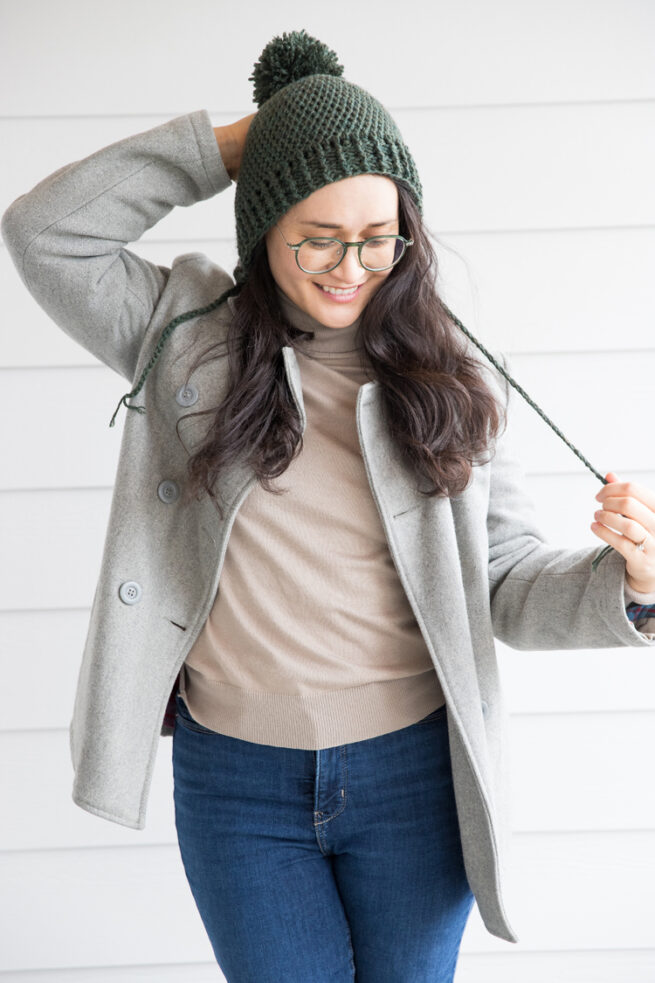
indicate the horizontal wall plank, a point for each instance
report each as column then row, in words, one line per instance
column 570, row 772
column 597, row 399
column 595, row 291
column 599, row 402
column 602, row 966
column 47, row 647
column 73, row 524
column 520, row 168
column 40, row 813
column 177, row 973
column 61, row 533
column 69, row 422
column 581, row 890
column 98, row 907
column 582, row 771
column 565, row 891
column 446, row 52
column 48, row 644
column 552, row 291
column 578, row 680
column 501, row 169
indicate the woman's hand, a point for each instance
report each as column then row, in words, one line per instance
column 231, row 140
column 629, row 509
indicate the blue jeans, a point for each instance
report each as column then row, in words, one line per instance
column 313, row 866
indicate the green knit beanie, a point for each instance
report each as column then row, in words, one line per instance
column 312, row 128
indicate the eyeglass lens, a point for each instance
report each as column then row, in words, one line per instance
column 320, row 255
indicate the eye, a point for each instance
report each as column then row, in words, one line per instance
column 320, row 243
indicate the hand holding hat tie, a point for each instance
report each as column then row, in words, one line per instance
column 627, row 522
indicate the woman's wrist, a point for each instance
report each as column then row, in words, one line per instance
column 229, row 149
column 231, row 140
column 637, row 596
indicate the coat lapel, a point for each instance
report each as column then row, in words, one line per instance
column 433, row 566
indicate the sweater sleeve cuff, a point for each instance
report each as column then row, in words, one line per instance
column 631, row 595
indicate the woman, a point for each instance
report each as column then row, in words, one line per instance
column 317, row 436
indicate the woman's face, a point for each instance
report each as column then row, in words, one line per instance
column 353, row 209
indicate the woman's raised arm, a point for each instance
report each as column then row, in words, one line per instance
column 68, row 235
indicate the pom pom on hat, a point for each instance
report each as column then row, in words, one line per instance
column 289, row 58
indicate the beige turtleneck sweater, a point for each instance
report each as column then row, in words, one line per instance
column 311, row 641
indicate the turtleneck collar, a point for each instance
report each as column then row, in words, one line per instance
column 326, row 340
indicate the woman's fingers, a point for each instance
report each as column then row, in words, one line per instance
column 626, row 490
column 634, row 528
column 631, row 509
column 625, row 520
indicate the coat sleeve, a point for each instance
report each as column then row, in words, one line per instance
column 68, row 235
column 543, row 596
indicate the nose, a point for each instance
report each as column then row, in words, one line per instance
column 349, row 269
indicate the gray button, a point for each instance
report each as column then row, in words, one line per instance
column 168, row 491
column 485, row 707
column 129, row 592
column 187, row 395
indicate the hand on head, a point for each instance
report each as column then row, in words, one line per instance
column 231, row 140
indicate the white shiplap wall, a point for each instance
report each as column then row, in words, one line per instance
column 533, row 126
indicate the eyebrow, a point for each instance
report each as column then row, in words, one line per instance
column 328, row 225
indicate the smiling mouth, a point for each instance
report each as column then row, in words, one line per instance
column 345, row 293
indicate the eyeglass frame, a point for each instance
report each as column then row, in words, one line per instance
column 345, row 246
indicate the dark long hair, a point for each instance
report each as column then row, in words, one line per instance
column 438, row 408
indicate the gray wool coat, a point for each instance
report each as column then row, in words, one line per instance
column 474, row 567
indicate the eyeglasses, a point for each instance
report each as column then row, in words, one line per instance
column 320, row 254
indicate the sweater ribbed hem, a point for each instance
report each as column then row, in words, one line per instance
column 313, row 721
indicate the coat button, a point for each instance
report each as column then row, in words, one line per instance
column 485, row 707
column 129, row 592
column 168, row 491
column 187, row 395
